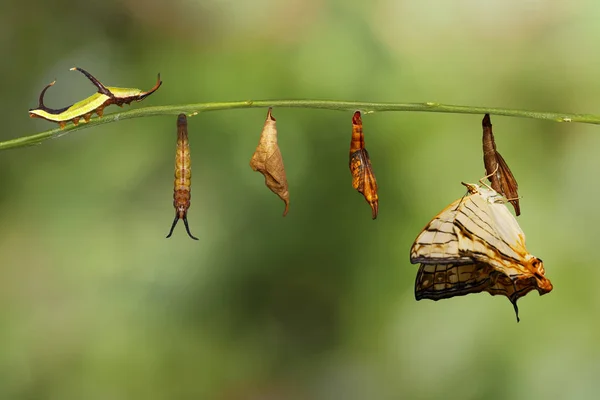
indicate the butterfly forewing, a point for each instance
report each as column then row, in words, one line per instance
column 438, row 243
column 487, row 231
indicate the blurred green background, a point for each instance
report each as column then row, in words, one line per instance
column 95, row 303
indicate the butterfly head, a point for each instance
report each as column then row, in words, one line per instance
column 471, row 187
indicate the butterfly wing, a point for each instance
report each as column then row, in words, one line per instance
column 489, row 233
column 443, row 281
column 438, row 243
column 474, row 245
column 513, row 288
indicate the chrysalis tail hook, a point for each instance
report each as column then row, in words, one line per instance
column 173, row 226
column 187, row 228
column 185, row 222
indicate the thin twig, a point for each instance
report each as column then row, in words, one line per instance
column 365, row 108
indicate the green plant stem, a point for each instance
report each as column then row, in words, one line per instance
column 366, row 108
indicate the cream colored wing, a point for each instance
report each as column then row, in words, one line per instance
column 438, row 243
column 473, row 228
column 488, row 232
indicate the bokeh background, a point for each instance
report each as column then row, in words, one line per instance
column 95, row 303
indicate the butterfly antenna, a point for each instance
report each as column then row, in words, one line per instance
column 489, row 175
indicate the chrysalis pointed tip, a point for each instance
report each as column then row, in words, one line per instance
column 486, row 120
column 375, row 208
column 287, row 207
column 356, row 118
column 270, row 116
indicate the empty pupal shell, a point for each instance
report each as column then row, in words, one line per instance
column 268, row 161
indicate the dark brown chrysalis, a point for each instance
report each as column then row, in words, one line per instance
column 500, row 176
column 363, row 178
column 183, row 176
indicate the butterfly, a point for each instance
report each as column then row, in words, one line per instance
column 475, row 244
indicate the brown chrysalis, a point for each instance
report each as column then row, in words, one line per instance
column 268, row 161
column 363, row 178
column 183, row 176
column 500, row 176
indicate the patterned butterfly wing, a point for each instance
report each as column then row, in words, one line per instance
column 475, row 245
column 438, row 242
column 489, row 233
column 443, row 281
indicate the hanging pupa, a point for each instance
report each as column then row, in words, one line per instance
column 363, row 178
column 500, row 176
column 182, row 193
column 268, row 161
